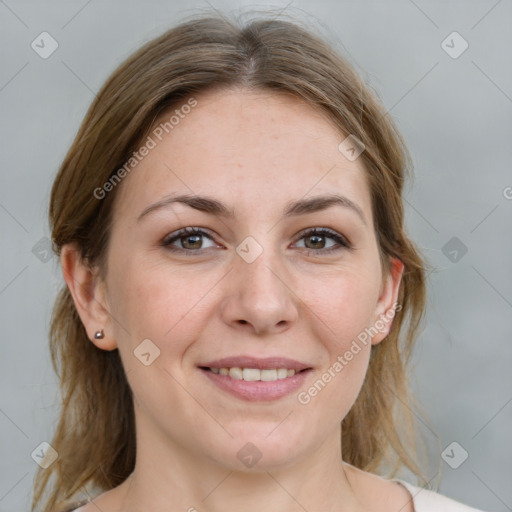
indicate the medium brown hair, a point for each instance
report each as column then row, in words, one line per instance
column 95, row 436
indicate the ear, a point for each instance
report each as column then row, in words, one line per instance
column 89, row 296
column 387, row 303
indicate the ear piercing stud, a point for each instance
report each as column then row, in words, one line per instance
column 99, row 335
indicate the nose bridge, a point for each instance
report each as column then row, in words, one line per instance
column 258, row 269
column 259, row 294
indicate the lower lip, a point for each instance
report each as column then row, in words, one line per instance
column 258, row 390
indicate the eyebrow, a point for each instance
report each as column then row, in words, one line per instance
column 294, row 208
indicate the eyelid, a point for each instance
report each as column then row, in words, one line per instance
column 181, row 233
column 342, row 242
column 326, row 232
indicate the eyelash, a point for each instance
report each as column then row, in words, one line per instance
column 328, row 233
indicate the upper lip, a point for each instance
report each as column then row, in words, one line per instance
column 266, row 363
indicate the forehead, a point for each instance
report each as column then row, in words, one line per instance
column 244, row 147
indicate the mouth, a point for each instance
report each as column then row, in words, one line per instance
column 255, row 379
column 254, row 374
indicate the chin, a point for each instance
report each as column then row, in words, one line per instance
column 263, row 447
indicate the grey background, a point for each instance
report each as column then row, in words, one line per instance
column 455, row 114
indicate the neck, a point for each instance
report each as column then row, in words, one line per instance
column 169, row 478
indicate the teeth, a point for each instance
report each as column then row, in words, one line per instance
column 249, row 374
column 267, row 374
column 236, row 373
column 254, row 374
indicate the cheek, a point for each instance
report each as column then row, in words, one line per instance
column 337, row 382
column 345, row 312
column 157, row 303
column 345, row 303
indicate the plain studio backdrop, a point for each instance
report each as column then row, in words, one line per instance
column 442, row 70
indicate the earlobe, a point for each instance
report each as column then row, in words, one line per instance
column 388, row 301
column 89, row 297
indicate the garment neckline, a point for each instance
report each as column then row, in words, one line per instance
column 408, row 487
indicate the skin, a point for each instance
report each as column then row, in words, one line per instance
column 254, row 151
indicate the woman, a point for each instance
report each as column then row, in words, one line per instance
column 241, row 298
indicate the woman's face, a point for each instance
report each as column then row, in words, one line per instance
column 257, row 284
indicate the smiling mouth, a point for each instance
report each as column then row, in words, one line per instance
column 255, row 374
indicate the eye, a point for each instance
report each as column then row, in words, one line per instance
column 315, row 241
column 190, row 239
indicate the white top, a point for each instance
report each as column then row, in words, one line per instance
column 430, row 501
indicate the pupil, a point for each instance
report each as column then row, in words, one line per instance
column 317, row 240
column 317, row 237
column 191, row 237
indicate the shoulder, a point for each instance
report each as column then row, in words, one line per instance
column 429, row 501
column 376, row 493
column 107, row 500
column 79, row 506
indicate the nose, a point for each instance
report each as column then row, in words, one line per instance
column 259, row 296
